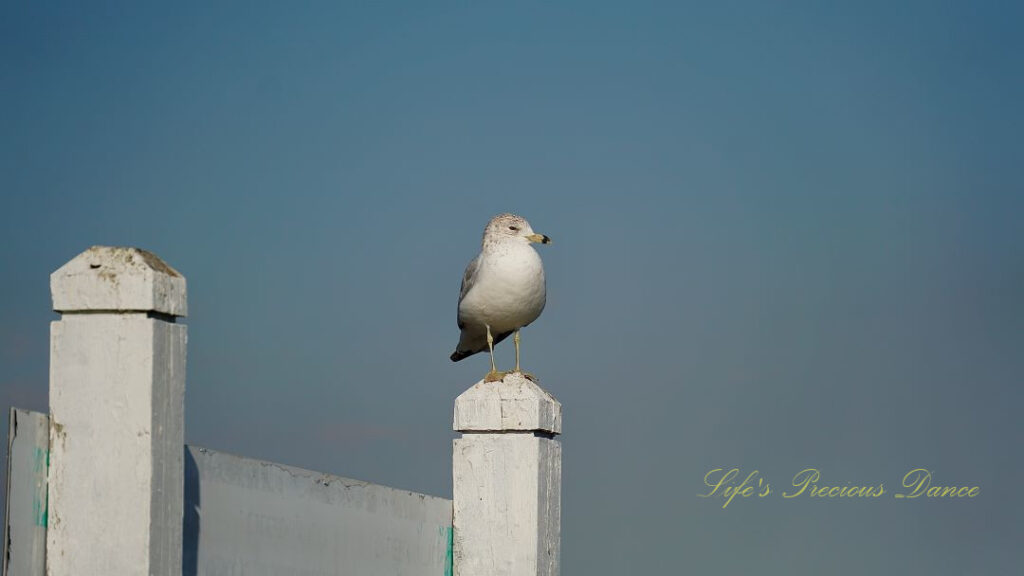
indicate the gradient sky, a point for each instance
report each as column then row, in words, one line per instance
column 786, row 236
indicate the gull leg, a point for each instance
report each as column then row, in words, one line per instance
column 526, row 374
column 517, row 349
column 493, row 375
column 490, row 347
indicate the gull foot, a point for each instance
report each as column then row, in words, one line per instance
column 527, row 375
column 494, row 376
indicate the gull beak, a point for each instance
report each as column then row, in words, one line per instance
column 539, row 238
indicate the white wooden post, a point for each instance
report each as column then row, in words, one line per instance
column 507, row 470
column 117, row 383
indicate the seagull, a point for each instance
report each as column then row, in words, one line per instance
column 502, row 289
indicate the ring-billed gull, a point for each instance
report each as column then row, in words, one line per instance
column 502, row 290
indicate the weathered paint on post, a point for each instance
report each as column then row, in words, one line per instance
column 507, row 470
column 245, row 516
column 117, row 382
column 25, row 525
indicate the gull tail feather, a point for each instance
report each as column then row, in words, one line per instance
column 462, row 354
column 466, row 353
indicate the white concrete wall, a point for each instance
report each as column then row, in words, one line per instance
column 507, row 471
column 117, row 382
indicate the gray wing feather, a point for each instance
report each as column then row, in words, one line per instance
column 468, row 279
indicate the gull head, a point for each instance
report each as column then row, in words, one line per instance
column 510, row 226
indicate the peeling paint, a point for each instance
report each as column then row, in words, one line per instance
column 40, row 499
column 449, row 536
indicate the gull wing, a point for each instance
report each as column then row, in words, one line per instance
column 468, row 279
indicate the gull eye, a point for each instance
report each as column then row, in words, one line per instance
column 514, row 228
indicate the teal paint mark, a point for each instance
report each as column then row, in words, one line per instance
column 448, row 533
column 41, row 499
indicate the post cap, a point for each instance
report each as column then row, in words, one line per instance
column 111, row 278
column 515, row 403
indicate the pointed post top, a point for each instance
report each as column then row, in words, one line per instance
column 118, row 279
column 515, row 403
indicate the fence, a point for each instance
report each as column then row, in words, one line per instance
column 104, row 485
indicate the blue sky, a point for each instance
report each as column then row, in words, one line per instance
column 785, row 236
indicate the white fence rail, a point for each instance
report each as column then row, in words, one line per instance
column 245, row 516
